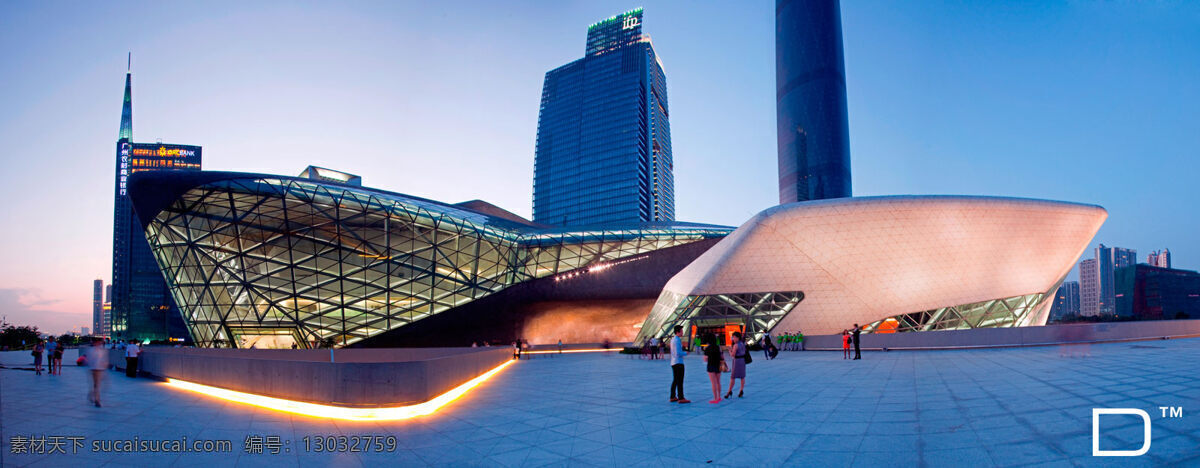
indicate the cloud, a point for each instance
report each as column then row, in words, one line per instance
column 24, row 306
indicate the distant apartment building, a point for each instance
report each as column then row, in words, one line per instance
column 1089, row 293
column 1161, row 259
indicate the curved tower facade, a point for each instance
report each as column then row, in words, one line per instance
column 810, row 80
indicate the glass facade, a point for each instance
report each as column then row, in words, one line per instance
column 274, row 261
column 142, row 307
column 1007, row 312
column 603, row 153
column 810, row 76
column 756, row 313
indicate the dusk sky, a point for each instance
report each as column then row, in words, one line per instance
column 1093, row 102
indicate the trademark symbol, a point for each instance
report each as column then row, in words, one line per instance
column 1171, row 411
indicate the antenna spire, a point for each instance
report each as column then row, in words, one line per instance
column 128, row 62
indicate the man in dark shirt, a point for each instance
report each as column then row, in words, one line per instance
column 857, row 331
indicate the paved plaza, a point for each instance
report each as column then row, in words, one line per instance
column 991, row 407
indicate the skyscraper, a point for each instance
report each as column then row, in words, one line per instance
column 1089, row 294
column 810, row 79
column 142, row 307
column 603, row 152
column 1066, row 300
column 1108, row 259
column 97, row 305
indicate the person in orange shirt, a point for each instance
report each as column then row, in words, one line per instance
column 845, row 345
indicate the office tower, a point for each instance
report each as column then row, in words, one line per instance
column 1108, row 259
column 1157, row 293
column 85, row 331
column 97, row 305
column 142, row 307
column 1161, row 259
column 1066, row 300
column 810, row 79
column 603, row 152
column 1089, row 295
column 105, row 325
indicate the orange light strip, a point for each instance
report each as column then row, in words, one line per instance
column 394, row 413
column 597, row 350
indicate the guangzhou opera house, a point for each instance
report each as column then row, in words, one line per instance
column 275, row 261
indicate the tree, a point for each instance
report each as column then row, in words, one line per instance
column 20, row 337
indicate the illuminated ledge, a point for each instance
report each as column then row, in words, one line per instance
column 565, row 351
column 395, row 413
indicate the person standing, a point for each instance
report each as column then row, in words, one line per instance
column 56, row 358
column 38, row 349
column 677, row 354
column 97, row 361
column 737, row 367
column 857, row 341
column 132, row 351
column 712, row 357
column 766, row 345
column 845, row 344
column 51, row 345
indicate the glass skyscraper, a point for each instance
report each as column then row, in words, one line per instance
column 603, row 151
column 810, row 79
column 142, row 306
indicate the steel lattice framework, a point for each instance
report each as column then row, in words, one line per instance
column 329, row 265
column 758, row 312
column 1008, row 312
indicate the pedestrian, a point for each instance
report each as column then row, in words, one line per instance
column 97, row 362
column 677, row 354
column 737, row 367
column 38, row 349
column 800, row 337
column 517, row 349
column 653, row 348
column 766, row 345
column 132, row 351
column 51, row 345
column 712, row 357
column 560, row 346
column 845, row 344
column 56, row 358
column 857, row 342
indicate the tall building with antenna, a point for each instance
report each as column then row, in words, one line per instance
column 142, row 306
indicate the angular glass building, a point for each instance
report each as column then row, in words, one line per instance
column 810, row 79
column 142, row 306
column 274, row 261
column 603, row 153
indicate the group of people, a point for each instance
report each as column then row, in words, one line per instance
column 850, row 337
column 652, row 349
column 715, row 364
column 53, row 354
column 791, row 341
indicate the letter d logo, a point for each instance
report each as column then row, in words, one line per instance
column 1096, row 452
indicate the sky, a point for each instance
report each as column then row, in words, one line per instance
column 1092, row 102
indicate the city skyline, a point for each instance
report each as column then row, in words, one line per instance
column 298, row 104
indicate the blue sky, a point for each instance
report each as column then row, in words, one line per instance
column 1092, row 102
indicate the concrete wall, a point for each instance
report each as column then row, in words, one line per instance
column 355, row 378
column 1020, row 336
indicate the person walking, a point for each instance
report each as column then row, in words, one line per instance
column 97, row 361
column 132, row 351
column 737, row 366
column 712, row 357
column 845, row 344
column 677, row 354
column 38, row 349
column 857, row 341
column 766, row 345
